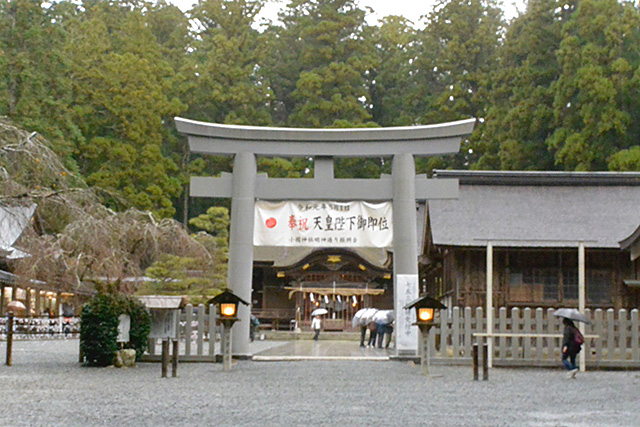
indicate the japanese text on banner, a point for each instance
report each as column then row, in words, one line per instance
column 319, row 224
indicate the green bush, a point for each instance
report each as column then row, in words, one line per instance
column 99, row 327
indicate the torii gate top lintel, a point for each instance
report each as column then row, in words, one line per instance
column 215, row 138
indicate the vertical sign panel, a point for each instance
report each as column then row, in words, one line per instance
column 406, row 332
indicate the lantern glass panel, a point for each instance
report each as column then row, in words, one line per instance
column 425, row 314
column 228, row 309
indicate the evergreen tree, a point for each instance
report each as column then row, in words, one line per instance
column 393, row 85
column 520, row 118
column 34, row 87
column 593, row 106
column 317, row 64
column 227, row 85
column 458, row 51
column 120, row 82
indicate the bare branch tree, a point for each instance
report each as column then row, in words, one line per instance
column 74, row 239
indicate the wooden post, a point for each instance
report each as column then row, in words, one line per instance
column 28, row 302
column 489, row 314
column 485, row 362
column 9, row 338
column 213, row 320
column 475, row 361
column 200, row 339
column 174, row 361
column 56, row 311
column 38, row 310
column 581, row 300
column 165, row 357
column 188, row 315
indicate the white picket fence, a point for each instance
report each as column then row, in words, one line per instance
column 614, row 341
column 617, row 344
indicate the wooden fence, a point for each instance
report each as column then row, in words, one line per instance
column 527, row 337
column 197, row 335
column 534, row 337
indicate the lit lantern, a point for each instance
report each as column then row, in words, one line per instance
column 227, row 304
column 228, row 309
column 425, row 307
column 425, row 314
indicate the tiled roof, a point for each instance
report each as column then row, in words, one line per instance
column 531, row 209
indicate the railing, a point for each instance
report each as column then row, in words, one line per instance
column 197, row 337
column 29, row 328
column 525, row 337
column 273, row 313
column 530, row 337
column 274, row 318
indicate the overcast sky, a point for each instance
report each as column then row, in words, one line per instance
column 410, row 9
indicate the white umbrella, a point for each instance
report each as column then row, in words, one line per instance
column 356, row 317
column 571, row 313
column 384, row 317
column 319, row 312
column 367, row 316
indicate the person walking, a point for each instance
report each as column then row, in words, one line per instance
column 316, row 325
column 571, row 345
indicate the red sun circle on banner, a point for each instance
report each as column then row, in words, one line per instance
column 271, row 222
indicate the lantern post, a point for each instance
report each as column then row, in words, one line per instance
column 227, row 303
column 425, row 307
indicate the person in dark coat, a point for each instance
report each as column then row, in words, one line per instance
column 253, row 327
column 570, row 348
column 373, row 333
column 363, row 333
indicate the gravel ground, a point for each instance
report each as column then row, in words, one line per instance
column 46, row 386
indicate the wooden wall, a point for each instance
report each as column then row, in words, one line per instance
column 545, row 277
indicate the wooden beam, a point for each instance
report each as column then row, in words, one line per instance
column 324, row 188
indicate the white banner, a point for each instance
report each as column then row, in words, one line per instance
column 323, row 224
column 406, row 332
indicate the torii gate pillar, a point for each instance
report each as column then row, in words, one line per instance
column 405, row 251
column 240, row 267
column 403, row 188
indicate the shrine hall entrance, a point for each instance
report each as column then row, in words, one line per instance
column 342, row 281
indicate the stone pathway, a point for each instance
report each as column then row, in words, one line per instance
column 46, row 386
column 321, row 350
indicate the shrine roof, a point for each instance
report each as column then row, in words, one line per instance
column 537, row 209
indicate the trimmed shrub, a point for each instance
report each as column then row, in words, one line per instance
column 99, row 327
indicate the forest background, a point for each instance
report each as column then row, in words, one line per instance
column 555, row 88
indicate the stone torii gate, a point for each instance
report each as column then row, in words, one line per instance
column 404, row 188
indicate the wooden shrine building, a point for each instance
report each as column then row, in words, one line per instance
column 287, row 289
column 534, row 222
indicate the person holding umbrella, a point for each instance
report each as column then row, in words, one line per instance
column 316, row 323
column 572, row 339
